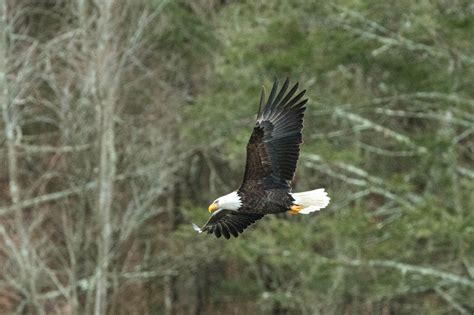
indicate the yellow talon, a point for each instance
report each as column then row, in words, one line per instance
column 295, row 209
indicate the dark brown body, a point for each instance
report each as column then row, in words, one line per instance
column 265, row 201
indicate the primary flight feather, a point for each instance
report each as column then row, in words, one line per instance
column 272, row 155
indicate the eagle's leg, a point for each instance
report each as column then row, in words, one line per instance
column 295, row 209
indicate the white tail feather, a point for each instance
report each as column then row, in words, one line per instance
column 311, row 201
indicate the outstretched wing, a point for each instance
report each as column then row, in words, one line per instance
column 274, row 146
column 228, row 222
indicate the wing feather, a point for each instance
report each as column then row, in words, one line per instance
column 217, row 230
column 228, row 223
column 272, row 94
column 282, row 91
column 225, row 230
column 274, row 146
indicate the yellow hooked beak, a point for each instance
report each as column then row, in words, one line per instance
column 213, row 207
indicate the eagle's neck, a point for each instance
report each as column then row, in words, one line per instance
column 230, row 201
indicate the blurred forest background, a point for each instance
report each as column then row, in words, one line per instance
column 122, row 120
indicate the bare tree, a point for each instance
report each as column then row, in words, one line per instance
column 84, row 65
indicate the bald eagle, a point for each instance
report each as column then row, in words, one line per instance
column 272, row 154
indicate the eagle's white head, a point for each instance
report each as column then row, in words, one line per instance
column 229, row 202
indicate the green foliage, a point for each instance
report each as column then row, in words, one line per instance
column 361, row 58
